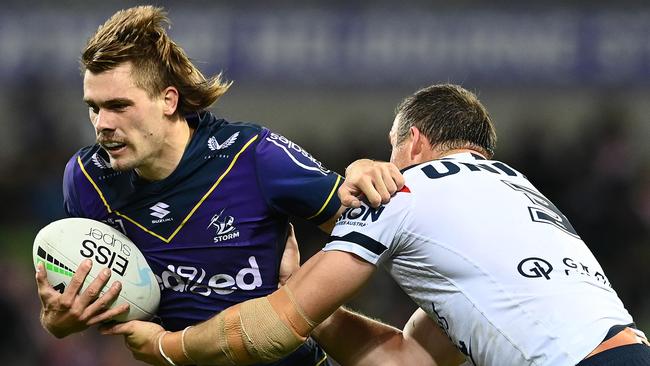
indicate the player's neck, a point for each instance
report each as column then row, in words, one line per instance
column 171, row 152
column 442, row 154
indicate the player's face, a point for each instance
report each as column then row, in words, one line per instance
column 400, row 154
column 128, row 122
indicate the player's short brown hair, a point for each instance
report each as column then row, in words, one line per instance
column 138, row 35
column 449, row 116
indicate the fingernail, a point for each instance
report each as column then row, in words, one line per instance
column 117, row 285
column 106, row 272
column 88, row 263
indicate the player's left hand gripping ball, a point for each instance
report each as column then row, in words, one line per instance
column 64, row 244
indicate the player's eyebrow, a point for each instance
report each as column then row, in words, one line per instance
column 123, row 102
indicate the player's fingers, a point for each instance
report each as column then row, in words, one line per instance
column 381, row 187
column 348, row 197
column 397, row 176
column 103, row 302
column 108, row 315
column 389, row 182
column 117, row 328
column 369, row 190
column 92, row 292
column 45, row 289
column 71, row 291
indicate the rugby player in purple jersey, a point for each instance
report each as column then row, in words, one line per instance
column 207, row 201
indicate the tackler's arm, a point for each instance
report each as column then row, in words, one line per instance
column 266, row 329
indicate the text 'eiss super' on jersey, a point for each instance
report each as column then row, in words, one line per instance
column 213, row 231
column 499, row 267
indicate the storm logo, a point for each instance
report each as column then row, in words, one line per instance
column 225, row 226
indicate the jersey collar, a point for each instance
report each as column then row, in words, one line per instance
column 464, row 156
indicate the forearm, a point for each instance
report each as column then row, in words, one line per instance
column 255, row 331
column 266, row 329
column 355, row 340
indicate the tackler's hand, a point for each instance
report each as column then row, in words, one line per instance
column 374, row 180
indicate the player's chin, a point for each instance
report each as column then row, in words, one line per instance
column 122, row 164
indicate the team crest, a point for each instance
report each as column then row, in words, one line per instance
column 214, row 145
column 224, row 226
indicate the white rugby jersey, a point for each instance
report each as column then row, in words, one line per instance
column 503, row 272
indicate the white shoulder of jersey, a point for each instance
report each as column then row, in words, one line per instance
column 369, row 232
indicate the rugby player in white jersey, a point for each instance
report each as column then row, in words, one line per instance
column 491, row 263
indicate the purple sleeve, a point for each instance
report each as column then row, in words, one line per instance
column 293, row 182
column 70, row 199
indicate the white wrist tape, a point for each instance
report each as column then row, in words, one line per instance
column 162, row 353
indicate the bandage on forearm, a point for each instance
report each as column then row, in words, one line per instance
column 264, row 329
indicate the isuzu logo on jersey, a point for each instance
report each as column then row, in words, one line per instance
column 359, row 216
column 197, row 281
column 224, row 226
column 287, row 145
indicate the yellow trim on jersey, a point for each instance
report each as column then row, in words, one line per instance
column 141, row 227
column 329, row 198
column 101, row 195
column 167, row 240
column 213, row 187
column 321, row 361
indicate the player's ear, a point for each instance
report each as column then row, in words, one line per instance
column 421, row 149
column 416, row 142
column 170, row 100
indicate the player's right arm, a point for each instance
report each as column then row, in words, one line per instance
column 73, row 311
column 295, row 183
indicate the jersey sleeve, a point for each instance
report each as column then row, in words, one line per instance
column 70, row 198
column 294, row 182
column 371, row 234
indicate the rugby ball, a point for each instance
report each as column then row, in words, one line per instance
column 62, row 245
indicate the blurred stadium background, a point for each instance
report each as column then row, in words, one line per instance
column 567, row 83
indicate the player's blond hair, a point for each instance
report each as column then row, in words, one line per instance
column 138, row 35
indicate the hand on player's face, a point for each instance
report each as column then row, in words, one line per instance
column 376, row 181
column 140, row 337
column 71, row 311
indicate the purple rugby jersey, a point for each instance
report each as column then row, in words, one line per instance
column 214, row 230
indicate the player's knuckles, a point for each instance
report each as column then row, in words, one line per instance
column 92, row 293
column 75, row 313
column 75, row 283
column 64, row 302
